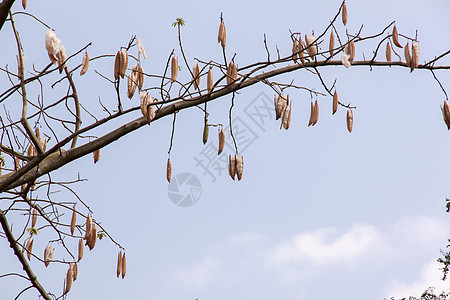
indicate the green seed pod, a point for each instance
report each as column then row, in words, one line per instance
column 205, row 133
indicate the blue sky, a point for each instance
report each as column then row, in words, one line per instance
column 319, row 212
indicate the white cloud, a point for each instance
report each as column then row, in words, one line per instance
column 421, row 230
column 198, row 275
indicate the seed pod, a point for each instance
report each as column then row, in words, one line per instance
column 74, row 266
column 73, row 220
column 229, row 80
column 239, row 166
column 280, row 105
column 117, row 65
column 446, row 113
column 33, row 217
column 407, row 55
column 196, row 75
column 316, row 113
column 123, row 62
column 38, row 133
column 80, row 249
column 93, row 237
column 344, row 14
column 311, row 115
column 84, row 64
column 286, row 121
column 205, row 133
column 210, row 80
column 124, row 265
column 331, row 45
column 97, row 155
column 395, row 37
column 388, row 52
column 222, row 37
column 335, row 102
column 301, row 47
column 233, row 71
column 174, row 69
column 132, row 82
column 349, row 120
column 221, row 141
column 232, row 166
column 69, row 278
column 88, row 227
column 140, row 76
column 52, row 45
column 29, row 247
column 30, row 150
column 48, row 254
column 119, row 264
column 147, row 111
column 295, row 50
column 144, row 102
column 141, row 49
column 353, row 48
column 24, row 4
column 415, row 55
column 44, row 144
column 169, row 170
column 311, row 43
column 62, row 57
column 345, row 60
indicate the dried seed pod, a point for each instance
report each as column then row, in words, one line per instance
column 221, row 141
column 80, row 249
column 415, row 55
column 311, row 45
column 301, row 47
column 124, row 265
column 33, row 217
column 147, row 111
column 349, row 120
column 395, row 37
column 407, row 55
column 316, row 113
column 229, row 80
column 62, row 57
column 97, row 155
column 88, row 227
column 345, row 60
column 74, row 266
column 388, row 52
column 24, row 4
column 446, row 113
column 144, row 102
column 205, row 133
column 43, row 144
column 84, row 64
column 295, row 50
column 169, row 170
column 174, row 69
column 140, row 76
column 141, row 49
column 239, row 166
column 210, row 80
column 196, row 75
column 335, row 102
column 132, row 82
column 232, row 166
column 123, row 62
column 280, row 105
column 119, row 264
column 73, row 220
column 117, row 65
column 92, row 237
column 30, row 150
column 29, row 247
column 331, row 44
column 344, row 14
column 233, row 72
column 286, row 121
column 311, row 115
column 38, row 133
column 69, row 278
column 52, row 45
column 222, row 37
column 48, row 254
column 353, row 49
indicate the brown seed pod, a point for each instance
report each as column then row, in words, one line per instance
column 132, row 82
column 221, row 141
column 33, row 217
column 345, row 60
column 124, row 265
column 280, row 105
column 407, row 55
column 229, row 74
column 144, row 102
column 209, row 80
column 222, row 37
column 388, row 52
column 84, row 64
column 349, row 120
column 30, row 150
column 97, row 155
column 311, row 115
column 233, row 71
column 344, row 14
column 62, row 57
column 169, row 170
column 174, row 69
column 414, row 55
column 316, row 113
column 117, row 65
column 88, row 227
column 74, row 266
column 335, row 102
column 239, row 160
column 93, row 237
column 353, row 49
column 331, row 44
column 311, row 43
column 150, row 110
column 286, row 121
column 38, row 133
column 295, row 50
column 301, row 47
column 119, row 264
column 80, row 249
column 232, row 166
column 123, row 62
column 73, row 220
column 446, row 113
column 140, row 76
column 48, row 254
column 196, row 76
column 29, row 247
column 24, row 4
column 44, row 144
column 69, row 278
column 395, row 37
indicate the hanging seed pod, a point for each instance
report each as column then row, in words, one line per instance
column 150, row 110
column 232, row 166
column 132, row 82
column 407, row 55
column 140, row 76
column 69, row 278
column 169, row 170
column 239, row 166
column 74, row 266
column 446, row 113
column 311, row 43
column 286, row 121
column 295, row 50
column 141, row 49
column 144, row 102
column 44, row 144
column 349, row 120
column 38, row 133
column 62, row 57
column 73, row 220
column 316, row 113
column 205, row 133
column 33, row 217
column 301, row 47
column 331, row 45
column 311, row 115
column 229, row 80
column 30, row 150
column 97, row 155
column 388, row 52
column 345, row 60
column 124, row 265
column 222, row 37
column 93, row 237
column 233, row 72
column 24, row 4
column 335, row 102
column 123, row 62
column 88, row 227
column 196, row 74
column 29, row 247
column 280, row 105
column 415, row 55
column 117, row 65
column 48, row 254
column 119, row 264
column 80, row 249
column 52, row 45
column 210, row 80
column 221, row 141
column 344, row 14
column 353, row 49
column 174, row 69
column 84, row 64
column 395, row 37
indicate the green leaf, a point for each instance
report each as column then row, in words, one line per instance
column 178, row 22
